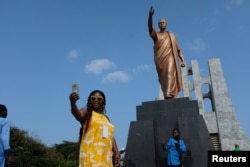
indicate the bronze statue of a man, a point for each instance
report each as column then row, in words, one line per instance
column 166, row 54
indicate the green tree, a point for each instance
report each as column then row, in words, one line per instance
column 69, row 151
column 30, row 152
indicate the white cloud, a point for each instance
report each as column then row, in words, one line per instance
column 143, row 67
column 235, row 3
column 197, row 45
column 98, row 65
column 119, row 76
column 72, row 55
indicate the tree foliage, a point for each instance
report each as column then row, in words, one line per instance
column 69, row 151
column 30, row 152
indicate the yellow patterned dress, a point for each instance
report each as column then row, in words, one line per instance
column 96, row 144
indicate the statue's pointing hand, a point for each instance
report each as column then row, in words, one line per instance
column 151, row 11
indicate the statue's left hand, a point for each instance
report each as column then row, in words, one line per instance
column 151, row 11
column 183, row 64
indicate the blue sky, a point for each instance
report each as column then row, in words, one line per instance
column 46, row 46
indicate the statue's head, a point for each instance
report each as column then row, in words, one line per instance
column 162, row 24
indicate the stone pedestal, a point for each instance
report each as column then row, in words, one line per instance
column 154, row 124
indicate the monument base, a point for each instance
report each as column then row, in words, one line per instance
column 154, row 124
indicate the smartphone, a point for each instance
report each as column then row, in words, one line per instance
column 75, row 88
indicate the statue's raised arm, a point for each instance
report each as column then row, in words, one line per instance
column 150, row 19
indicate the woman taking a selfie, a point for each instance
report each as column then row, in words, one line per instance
column 97, row 142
